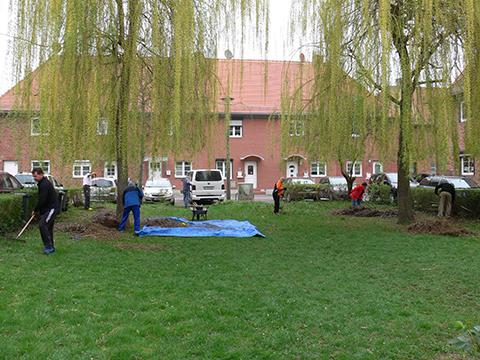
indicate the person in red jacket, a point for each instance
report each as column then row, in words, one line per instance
column 357, row 194
column 277, row 192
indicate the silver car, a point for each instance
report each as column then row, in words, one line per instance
column 159, row 190
column 103, row 189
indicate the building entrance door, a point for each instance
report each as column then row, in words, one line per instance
column 251, row 173
column 11, row 167
column 292, row 169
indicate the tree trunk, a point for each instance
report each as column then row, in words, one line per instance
column 404, row 193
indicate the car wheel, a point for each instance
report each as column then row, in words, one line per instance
column 173, row 201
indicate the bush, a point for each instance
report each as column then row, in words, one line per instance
column 75, row 197
column 379, row 194
column 12, row 211
column 300, row 192
column 466, row 201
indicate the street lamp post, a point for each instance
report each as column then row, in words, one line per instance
column 227, row 101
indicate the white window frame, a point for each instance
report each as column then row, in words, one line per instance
column 297, row 128
column 469, row 169
column 463, row 118
column 44, row 164
column 375, row 164
column 236, row 128
column 102, row 126
column 35, row 127
column 110, row 170
column 221, row 164
column 356, row 166
column 81, row 168
column 182, row 168
column 316, row 167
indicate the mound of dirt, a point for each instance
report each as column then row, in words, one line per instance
column 362, row 211
column 438, row 227
column 166, row 223
column 101, row 224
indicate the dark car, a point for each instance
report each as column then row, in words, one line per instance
column 9, row 183
column 460, row 182
column 300, row 188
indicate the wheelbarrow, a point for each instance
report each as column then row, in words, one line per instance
column 200, row 212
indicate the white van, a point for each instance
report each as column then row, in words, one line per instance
column 208, row 186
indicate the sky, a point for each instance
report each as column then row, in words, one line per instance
column 279, row 11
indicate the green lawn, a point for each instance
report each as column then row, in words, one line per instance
column 318, row 286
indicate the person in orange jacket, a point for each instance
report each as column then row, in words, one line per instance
column 357, row 194
column 277, row 192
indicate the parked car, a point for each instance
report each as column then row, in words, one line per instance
column 9, row 183
column 26, row 179
column 390, row 179
column 103, row 189
column 336, row 187
column 299, row 188
column 159, row 190
column 460, row 182
column 208, row 186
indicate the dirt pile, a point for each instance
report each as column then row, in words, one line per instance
column 438, row 227
column 102, row 224
column 362, row 211
column 166, row 223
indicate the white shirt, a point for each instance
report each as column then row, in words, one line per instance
column 87, row 180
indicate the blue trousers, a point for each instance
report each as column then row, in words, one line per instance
column 136, row 217
column 186, row 198
column 356, row 202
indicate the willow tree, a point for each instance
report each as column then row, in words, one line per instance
column 401, row 51
column 114, row 79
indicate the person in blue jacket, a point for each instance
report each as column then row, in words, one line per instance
column 132, row 199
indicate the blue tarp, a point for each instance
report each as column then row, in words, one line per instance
column 227, row 228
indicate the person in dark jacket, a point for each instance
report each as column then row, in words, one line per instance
column 447, row 197
column 48, row 206
column 186, row 190
column 132, row 198
column 357, row 194
column 277, row 192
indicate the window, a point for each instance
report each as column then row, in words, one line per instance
column 236, row 128
column 182, row 168
column 44, row 164
column 221, row 165
column 468, row 165
column 35, row 127
column 318, row 168
column 377, row 167
column 110, row 170
column 357, row 168
column 463, row 112
column 102, row 126
column 297, row 128
column 433, row 168
column 81, row 168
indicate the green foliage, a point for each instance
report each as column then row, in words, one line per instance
column 379, row 194
column 75, row 197
column 12, row 211
column 470, row 338
column 466, row 202
column 297, row 192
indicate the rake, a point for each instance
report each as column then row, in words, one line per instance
column 21, row 232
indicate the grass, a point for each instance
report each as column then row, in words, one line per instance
column 318, row 286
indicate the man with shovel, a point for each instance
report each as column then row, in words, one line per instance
column 48, row 206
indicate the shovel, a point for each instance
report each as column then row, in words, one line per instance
column 21, row 232
column 464, row 208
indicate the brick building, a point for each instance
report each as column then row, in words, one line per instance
column 254, row 151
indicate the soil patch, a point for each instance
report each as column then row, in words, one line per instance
column 101, row 224
column 166, row 223
column 438, row 227
column 362, row 211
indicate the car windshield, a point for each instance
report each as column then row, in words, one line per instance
column 158, row 183
column 393, row 177
column 462, row 183
column 103, row 182
column 338, row 181
column 208, row 176
column 25, row 178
